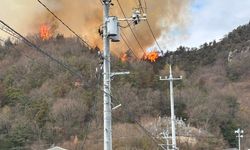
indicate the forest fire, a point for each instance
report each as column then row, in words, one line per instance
column 152, row 56
column 124, row 57
column 44, row 32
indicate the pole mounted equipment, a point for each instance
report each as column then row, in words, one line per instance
column 111, row 31
column 239, row 135
column 136, row 17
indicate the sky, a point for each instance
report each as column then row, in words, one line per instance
column 210, row 20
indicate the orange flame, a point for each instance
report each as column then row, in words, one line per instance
column 124, row 57
column 152, row 56
column 44, row 32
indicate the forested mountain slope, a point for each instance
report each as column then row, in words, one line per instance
column 42, row 104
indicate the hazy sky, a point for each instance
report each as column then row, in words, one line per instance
column 208, row 20
column 19, row 14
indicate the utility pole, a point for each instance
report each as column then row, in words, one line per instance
column 107, row 118
column 111, row 32
column 239, row 135
column 171, row 79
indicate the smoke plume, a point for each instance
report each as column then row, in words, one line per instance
column 85, row 17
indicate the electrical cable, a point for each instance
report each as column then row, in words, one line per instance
column 144, row 130
column 101, row 2
column 2, row 40
column 26, row 41
column 124, row 26
column 125, row 42
column 130, row 27
column 133, row 118
column 140, row 5
column 93, row 110
column 64, row 24
column 153, row 35
column 129, row 46
column 65, row 66
column 150, row 28
column 75, row 73
column 126, row 39
column 35, row 47
column 145, row 4
column 32, row 59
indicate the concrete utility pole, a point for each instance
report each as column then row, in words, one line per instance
column 239, row 135
column 107, row 118
column 171, row 79
column 111, row 32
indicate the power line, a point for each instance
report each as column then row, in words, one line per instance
column 2, row 41
column 143, row 129
column 64, row 65
column 64, row 24
column 17, row 35
column 32, row 59
column 123, row 38
column 135, row 120
column 93, row 110
column 145, row 3
column 130, row 115
column 130, row 27
column 59, row 62
column 125, row 42
column 43, row 52
column 153, row 35
column 149, row 25
column 140, row 5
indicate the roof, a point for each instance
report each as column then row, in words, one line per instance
column 56, row 148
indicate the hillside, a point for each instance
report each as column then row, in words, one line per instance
column 42, row 104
